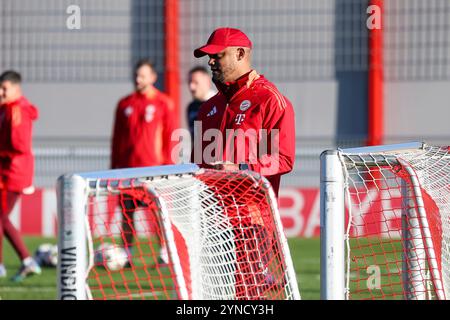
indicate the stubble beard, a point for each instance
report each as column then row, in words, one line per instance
column 217, row 76
column 141, row 88
column 223, row 74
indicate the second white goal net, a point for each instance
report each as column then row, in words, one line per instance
column 385, row 222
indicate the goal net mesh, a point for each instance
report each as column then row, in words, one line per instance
column 398, row 224
column 222, row 236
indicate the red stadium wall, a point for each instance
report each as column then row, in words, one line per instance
column 299, row 208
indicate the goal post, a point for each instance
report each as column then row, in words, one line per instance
column 72, row 246
column 221, row 229
column 332, row 227
column 385, row 222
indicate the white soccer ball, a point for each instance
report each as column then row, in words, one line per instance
column 46, row 255
column 110, row 256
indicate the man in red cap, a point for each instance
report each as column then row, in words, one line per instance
column 255, row 126
column 246, row 103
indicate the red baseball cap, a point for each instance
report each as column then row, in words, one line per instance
column 222, row 38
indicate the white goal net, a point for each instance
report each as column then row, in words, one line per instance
column 221, row 231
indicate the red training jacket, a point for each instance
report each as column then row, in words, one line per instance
column 16, row 157
column 142, row 130
column 246, row 106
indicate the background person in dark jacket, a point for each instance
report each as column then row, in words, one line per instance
column 200, row 86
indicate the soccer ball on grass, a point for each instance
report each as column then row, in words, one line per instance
column 111, row 257
column 46, row 255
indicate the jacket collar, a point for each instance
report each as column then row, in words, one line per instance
column 230, row 89
column 149, row 94
column 12, row 103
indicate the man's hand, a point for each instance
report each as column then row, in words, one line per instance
column 225, row 166
column 29, row 190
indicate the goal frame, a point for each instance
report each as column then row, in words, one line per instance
column 332, row 213
column 73, row 191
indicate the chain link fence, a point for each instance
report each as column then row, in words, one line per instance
column 55, row 157
column 417, row 40
column 295, row 42
column 113, row 35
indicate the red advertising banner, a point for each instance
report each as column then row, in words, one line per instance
column 299, row 208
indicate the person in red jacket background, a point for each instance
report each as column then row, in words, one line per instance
column 141, row 138
column 254, row 125
column 16, row 165
column 142, row 126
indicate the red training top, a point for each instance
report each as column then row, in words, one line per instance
column 16, row 157
column 142, row 131
column 257, row 127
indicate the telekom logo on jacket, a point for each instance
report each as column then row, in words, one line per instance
column 239, row 118
column 149, row 112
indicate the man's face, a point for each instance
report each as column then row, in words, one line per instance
column 223, row 65
column 199, row 85
column 9, row 91
column 144, row 78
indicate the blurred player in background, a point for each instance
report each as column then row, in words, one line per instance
column 16, row 165
column 141, row 138
column 247, row 103
column 200, row 86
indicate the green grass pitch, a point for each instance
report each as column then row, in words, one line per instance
column 305, row 255
column 41, row 287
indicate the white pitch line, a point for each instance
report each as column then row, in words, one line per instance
column 144, row 294
column 53, row 289
column 28, row 289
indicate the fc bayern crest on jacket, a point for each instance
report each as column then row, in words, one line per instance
column 128, row 111
column 245, row 105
